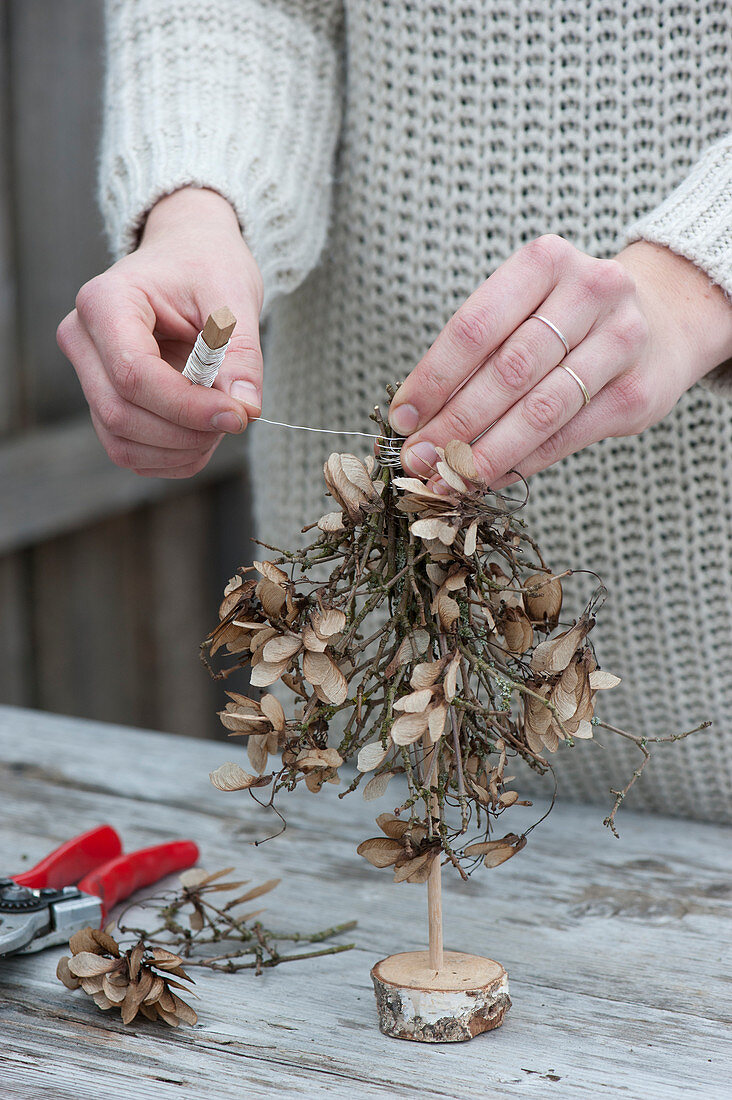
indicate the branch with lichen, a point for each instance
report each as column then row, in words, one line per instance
column 190, row 922
column 417, row 619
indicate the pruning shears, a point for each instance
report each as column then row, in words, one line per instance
column 77, row 884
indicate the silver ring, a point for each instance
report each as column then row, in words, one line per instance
column 579, row 382
column 554, row 329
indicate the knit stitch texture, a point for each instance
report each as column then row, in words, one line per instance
column 467, row 128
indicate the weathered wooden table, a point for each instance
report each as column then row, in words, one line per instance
column 617, row 951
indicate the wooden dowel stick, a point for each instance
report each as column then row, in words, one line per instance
column 218, row 328
column 434, row 882
column 434, row 912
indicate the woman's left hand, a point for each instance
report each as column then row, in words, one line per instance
column 641, row 329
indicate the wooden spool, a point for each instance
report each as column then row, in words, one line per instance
column 467, row 996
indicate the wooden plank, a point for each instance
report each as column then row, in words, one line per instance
column 614, row 949
column 15, row 675
column 84, row 647
column 58, row 478
column 16, row 659
column 112, row 635
column 56, row 79
column 133, row 654
column 181, row 609
column 75, row 592
column 10, row 382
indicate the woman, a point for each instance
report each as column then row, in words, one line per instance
column 544, row 191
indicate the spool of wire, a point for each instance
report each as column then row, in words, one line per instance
column 210, row 348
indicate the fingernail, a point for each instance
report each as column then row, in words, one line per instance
column 228, row 422
column 422, row 458
column 404, row 419
column 247, row 393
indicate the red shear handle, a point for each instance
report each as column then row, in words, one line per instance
column 121, row 877
column 77, row 857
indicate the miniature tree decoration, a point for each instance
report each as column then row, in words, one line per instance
column 431, row 625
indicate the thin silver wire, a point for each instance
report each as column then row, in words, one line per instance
column 322, row 431
column 203, row 365
column 389, row 448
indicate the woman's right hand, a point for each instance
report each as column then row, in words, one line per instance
column 133, row 327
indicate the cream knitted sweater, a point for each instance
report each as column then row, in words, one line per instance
column 383, row 158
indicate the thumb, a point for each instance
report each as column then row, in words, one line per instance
column 240, row 375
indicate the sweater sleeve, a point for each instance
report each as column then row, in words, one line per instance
column 241, row 96
column 695, row 221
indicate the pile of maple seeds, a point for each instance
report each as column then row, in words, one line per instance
column 140, row 980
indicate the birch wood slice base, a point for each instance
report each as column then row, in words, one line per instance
column 467, row 996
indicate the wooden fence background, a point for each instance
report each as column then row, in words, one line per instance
column 108, row 582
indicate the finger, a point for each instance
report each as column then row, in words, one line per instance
column 527, row 356
column 178, row 472
column 615, row 411
column 120, row 323
column 543, row 411
column 130, row 455
column 116, row 415
column 478, row 328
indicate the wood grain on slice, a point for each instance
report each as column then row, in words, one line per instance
column 467, row 996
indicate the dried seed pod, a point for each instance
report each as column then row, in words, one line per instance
column 415, row 870
column 450, row 478
column 449, row 685
column 517, row 630
column 377, row 785
column 554, row 654
column 332, row 521
column 272, row 572
column 603, row 681
column 272, row 596
column 496, row 852
column 281, row 648
column 434, row 529
column 471, row 538
column 370, row 756
column 273, row 710
column 459, row 457
column 426, row 674
column 331, row 621
column 230, row 777
column 257, row 752
column 344, row 491
column 320, row 671
column 543, row 597
column 408, row 728
column 409, row 649
column 436, row 719
column 264, row 674
column 380, row 851
column 393, row 826
column 415, row 702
